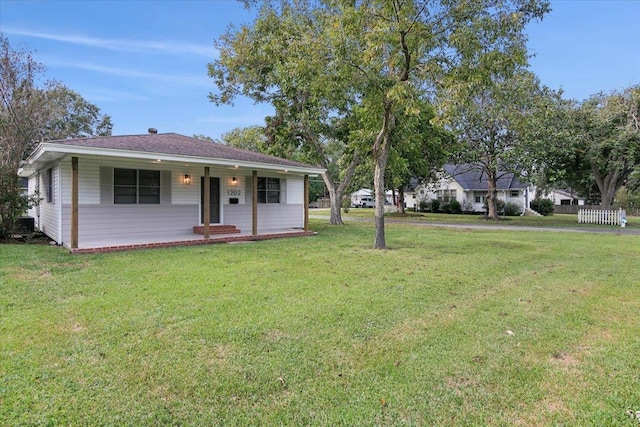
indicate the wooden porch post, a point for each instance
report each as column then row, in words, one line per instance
column 207, row 203
column 74, row 203
column 306, row 203
column 254, row 203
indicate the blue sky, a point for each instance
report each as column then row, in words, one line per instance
column 144, row 62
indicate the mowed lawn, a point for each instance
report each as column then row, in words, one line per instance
column 448, row 327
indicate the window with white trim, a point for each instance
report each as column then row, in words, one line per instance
column 268, row 190
column 446, row 195
column 136, row 186
column 515, row 193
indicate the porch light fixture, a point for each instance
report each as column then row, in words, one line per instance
column 187, row 179
column 234, row 181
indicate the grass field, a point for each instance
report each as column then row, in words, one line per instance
column 448, row 327
column 551, row 221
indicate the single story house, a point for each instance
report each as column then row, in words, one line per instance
column 467, row 183
column 565, row 198
column 120, row 192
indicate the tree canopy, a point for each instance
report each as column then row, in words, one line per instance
column 33, row 109
column 505, row 126
column 608, row 130
column 318, row 60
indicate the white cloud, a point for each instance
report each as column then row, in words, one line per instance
column 123, row 45
column 200, row 80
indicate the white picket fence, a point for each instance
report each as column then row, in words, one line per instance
column 606, row 217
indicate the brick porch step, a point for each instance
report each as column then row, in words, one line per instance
column 216, row 229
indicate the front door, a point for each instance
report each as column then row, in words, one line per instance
column 214, row 199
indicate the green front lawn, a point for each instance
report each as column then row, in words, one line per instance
column 553, row 221
column 448, row 327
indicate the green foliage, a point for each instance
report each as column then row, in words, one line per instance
column 374, row 64
column 500, row 206
column 454, row 207
column 73, row 116
column 251, row 138
column 542, row 205
column 346, row 203
column 607, row 127
column 13, row 204
column 512, row 209
column 434, row 205
column 31, row 111
column 503, row 124
column 424, row 205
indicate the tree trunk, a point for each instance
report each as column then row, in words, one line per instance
column 378, row 177
column 336, row 192
column 492, row 208
column 401, row 200
column 335, row 217
column 381, row 150
column 609, row 184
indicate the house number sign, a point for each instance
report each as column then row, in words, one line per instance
column 234, row 192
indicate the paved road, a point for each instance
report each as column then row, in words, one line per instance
column 612, row 230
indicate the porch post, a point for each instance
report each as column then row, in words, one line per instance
column 306, row 203
column 74, row 203
column 207, row 203
column 254, row 205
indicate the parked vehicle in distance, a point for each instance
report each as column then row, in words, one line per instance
column 365, row 202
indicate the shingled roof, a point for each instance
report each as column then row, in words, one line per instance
column 179, row 145
column 472, row 177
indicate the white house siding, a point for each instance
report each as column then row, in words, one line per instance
column 97, row 223
column 238, row 215
column 274, row 216
column 289, row 213
column 294, row 189
column 47, row 220
column 106, row 221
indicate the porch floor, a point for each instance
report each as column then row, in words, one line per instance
column 179, row 239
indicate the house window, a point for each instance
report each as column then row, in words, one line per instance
column 133, row 186
column 268, row 190
column 24, row 185
column 515, row 193
column 48, row 185
column 446, row 195
column 479, row 197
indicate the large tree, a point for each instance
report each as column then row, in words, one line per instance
column 608, row 129
column 282, row 59
column 505, row 126
column 33, row 109
column 317, row 60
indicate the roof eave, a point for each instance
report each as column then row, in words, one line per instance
column 131, row 154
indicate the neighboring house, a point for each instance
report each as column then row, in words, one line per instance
column 111, row 193
column 467, row 184
column 565, row 198
column 410, row 196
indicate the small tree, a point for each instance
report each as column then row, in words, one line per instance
column 543, row 206
column 512, row 209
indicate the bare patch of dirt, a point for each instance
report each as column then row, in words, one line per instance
column 34, row 238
